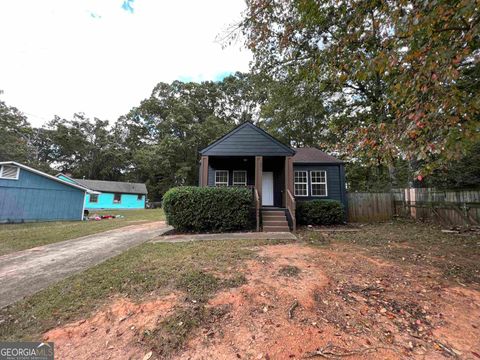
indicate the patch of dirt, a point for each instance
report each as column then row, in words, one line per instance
column 462, row 316
column 293, row 301
column 110, row 333
column 348, row 304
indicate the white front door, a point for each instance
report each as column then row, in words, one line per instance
column 267, row 188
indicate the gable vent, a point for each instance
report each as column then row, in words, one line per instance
column 9, row 172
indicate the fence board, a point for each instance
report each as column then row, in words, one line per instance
column 447, row 207
column 365, row 207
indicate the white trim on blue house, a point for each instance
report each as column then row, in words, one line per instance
column 41, row 173
column 233, row 178
column 306, row 183
column 222, row 183
column 321, row 183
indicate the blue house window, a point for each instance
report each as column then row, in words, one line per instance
column 239, row 178
column 139, row 197
column 301, row 183
column 117, row 198
column 318, row 180
column 93, row 198
column 221, row 178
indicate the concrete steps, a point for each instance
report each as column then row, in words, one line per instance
column 274, row 221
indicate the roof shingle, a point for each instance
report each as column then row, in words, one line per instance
column 113, row 186
column 313, row 155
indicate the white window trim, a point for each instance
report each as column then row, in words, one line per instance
column 9, row 178
column 236, row 183
column 306, row 183
column 222, row 183
column 316, row 183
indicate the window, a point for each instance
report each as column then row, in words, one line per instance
column 301, row 183
column 139, row 197
column 9, row 172
column 93, row 198
column 318, row 181
column 221, row 178
column 239, row 178
column 117, row 198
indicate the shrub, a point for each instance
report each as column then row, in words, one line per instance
column 320, row 212
column 212, row 209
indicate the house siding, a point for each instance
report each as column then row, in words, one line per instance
column 105, row 201
column 231, row 164
column 36, row 198
column 247, row 141
column 335, row 182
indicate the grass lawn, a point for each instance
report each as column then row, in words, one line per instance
column 15, row 237
column 138, row 273
column 399, row 289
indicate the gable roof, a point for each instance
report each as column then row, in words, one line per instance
column 247, row 140
column 113, row 186
column 41, row 173
column 308, row 155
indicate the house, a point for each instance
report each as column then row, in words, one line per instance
column 28, row 194
column 280, row 175
column 111, row 195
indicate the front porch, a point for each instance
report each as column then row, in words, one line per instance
column 270, row 177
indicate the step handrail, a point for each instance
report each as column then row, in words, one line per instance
column 291, row 207
column 257, row 208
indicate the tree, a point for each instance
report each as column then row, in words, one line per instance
column 461, row 174
column 15, row 134
column 295, row 113
column 397, row 74
column 85, row 148
column 165, row 133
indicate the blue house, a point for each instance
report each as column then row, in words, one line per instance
column 28, row 194
column 279, row 175
column 111, row 195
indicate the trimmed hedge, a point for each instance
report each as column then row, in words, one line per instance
column 209, row 209
column 320, row 212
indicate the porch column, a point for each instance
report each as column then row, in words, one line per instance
column 259, row 175
column 288, row 177
column 204, row 171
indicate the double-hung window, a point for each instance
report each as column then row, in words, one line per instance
column 117, row 198
column 94, row 198
column 301, row 183
column 221, row 177
column 239, row 178
column 318, row 181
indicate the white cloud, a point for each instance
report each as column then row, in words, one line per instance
column 61, row 57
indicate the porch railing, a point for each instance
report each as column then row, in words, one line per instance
column 257, row 207
column 291, row 207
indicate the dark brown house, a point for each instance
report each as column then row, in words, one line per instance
column 280, row 175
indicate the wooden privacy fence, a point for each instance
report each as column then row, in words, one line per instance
column 365, row 207
column 453, row 208
column 460, row 208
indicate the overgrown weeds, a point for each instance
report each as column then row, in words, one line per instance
column 289, row 271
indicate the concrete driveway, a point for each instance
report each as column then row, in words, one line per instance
column 26, row 272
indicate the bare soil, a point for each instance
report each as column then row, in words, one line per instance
column 336, row 301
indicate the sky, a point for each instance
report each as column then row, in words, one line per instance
column 102, row 57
